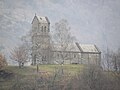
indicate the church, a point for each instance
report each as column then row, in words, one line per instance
column 43, row 53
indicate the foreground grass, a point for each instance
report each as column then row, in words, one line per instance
column 71, row 69
column 49, row 77
column 29, row 72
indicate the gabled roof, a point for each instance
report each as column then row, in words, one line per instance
column 76, row 47
column 41, row 19
column 72, row 47
column 88, row 48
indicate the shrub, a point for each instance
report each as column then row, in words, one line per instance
column 2, row 61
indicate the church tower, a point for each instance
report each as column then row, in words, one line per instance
column 40, row 40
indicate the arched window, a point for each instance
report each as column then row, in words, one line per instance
column 48, row 28
column 42, row 28
column 74, row 55
column 45, row 28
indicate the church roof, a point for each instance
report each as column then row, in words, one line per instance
column 88, row 48
column 76, row 47
column 72, row 47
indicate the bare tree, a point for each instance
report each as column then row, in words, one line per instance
column 62, row 37
column 113, row 60
column 108, row 56
column 116, row 61
column 20, row 55
column 27, row 44
column 94, row 78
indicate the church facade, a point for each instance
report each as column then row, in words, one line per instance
column 43, row 53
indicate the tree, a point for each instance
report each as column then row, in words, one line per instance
column 26, row 41
column 108, row 60
column 92, row 77
column 116, row 61
column 62, row 37
column 113, row 60
column 2, row 61
column 20, row 54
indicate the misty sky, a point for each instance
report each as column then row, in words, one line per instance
column 91, row 21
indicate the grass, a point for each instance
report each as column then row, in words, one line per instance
column 72, row 69
column 31, row 72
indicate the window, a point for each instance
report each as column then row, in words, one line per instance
column 74, row 55
column 42, row 28
column 48, row 30
column 44, row 58
column 45, row 28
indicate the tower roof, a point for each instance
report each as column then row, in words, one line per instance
column 41, row 19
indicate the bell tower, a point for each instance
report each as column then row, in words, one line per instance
column 40, row 40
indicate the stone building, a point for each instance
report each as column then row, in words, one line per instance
column 43, row 53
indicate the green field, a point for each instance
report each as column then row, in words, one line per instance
column 28, row 70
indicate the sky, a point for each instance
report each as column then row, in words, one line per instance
column 91, row 21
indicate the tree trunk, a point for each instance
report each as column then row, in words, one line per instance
column 20, row 64
column 37, row 68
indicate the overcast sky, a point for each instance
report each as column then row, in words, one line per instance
column 91, row 21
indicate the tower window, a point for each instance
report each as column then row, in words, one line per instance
column 45, row 28
column 40, row 18
column 48, row 29
column 42, row 29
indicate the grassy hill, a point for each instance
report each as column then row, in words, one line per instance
column 30, row 73
column 57, row 77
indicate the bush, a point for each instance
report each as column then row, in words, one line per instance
column 2, row 61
